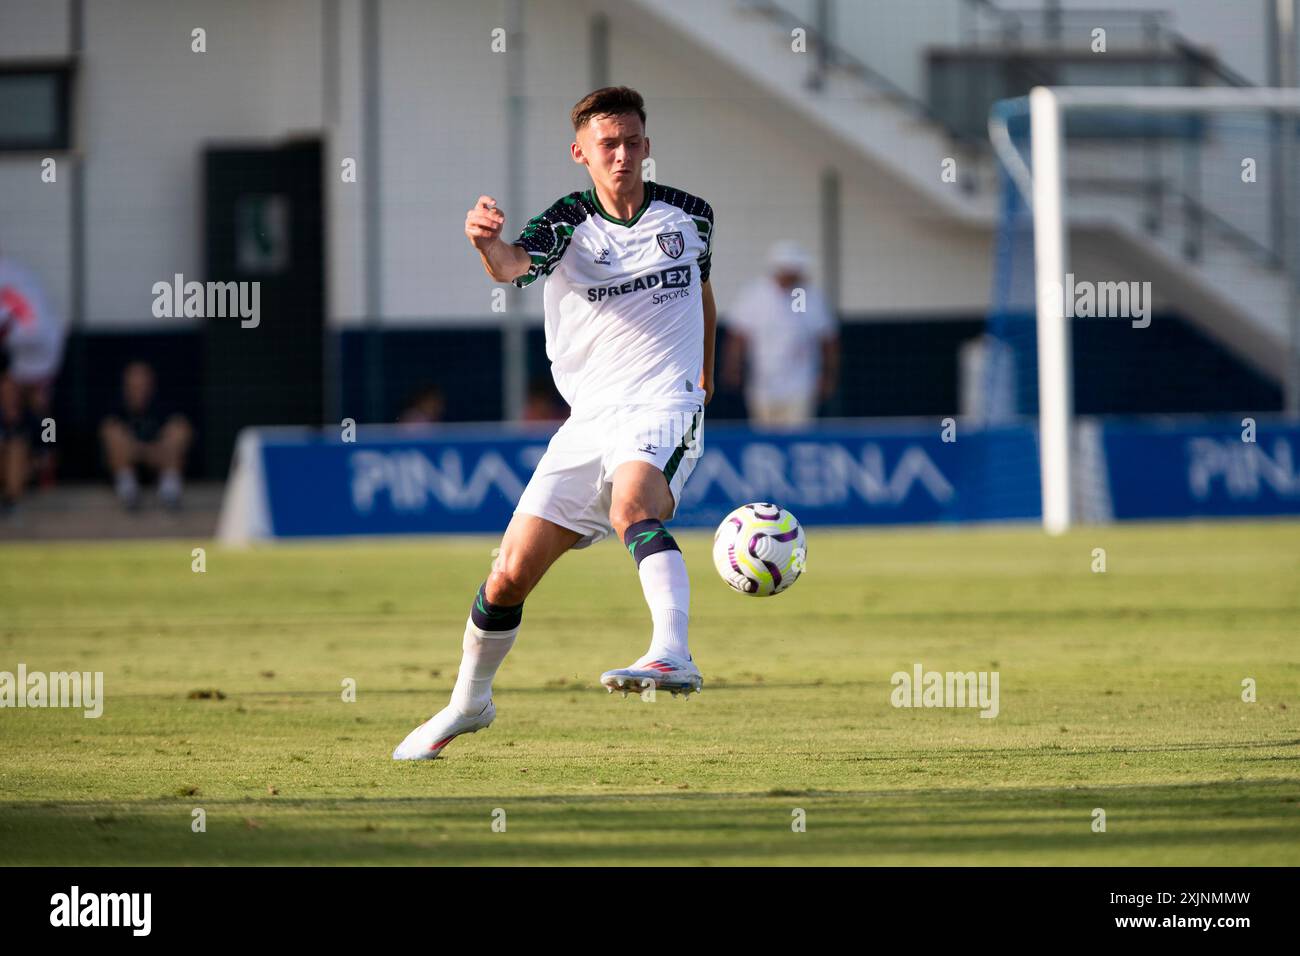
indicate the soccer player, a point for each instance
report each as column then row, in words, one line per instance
column 630, row 324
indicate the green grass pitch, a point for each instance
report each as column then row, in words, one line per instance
column 1119, row 690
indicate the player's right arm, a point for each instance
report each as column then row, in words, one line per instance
column 503, row 261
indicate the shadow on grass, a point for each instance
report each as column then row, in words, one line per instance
column 1056, row 750
column 1240, row 823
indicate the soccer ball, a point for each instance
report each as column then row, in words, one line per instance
column 760, row 549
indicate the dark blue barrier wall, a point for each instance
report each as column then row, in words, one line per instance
column 1171, row 470
column 462, row 480
column 465, row 363
column 1168, row 368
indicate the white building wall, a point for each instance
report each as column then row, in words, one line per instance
column 150, row 104
column 443, row 143
column 891, row 36
column 33, row 28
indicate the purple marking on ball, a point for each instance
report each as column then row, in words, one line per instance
column 775, row 571
column 750, row 584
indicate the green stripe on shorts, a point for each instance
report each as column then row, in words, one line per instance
column 670, row 469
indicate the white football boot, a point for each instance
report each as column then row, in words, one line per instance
column 427, row 741
column 658, row 671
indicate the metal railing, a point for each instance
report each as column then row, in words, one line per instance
column 984, row 23
column 1014, row 50
column 829, row 55
column 1055, row 32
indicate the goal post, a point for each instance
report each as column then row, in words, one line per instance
column 1051, row 258
column 1042, row 183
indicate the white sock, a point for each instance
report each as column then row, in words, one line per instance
column 667, row 589
column 125, row 485
column 169, row 485
column 484, row 652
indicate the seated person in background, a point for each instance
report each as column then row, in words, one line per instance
column 13, row 443
column 543, row 403
column 142, row 433
column 424, row 408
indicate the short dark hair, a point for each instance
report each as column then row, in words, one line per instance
column 607, row 101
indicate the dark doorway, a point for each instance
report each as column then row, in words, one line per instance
column 264, row 224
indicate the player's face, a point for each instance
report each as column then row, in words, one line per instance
column 613, row 148
column 787, row 278
column 137, row 386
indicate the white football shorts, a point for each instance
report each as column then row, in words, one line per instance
column 572, row 485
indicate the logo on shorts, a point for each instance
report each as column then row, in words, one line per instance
column 672, row 243
column 648, row 448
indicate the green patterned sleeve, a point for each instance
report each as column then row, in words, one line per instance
column 704, row 224
column 546, row 237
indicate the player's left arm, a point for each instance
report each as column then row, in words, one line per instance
column 710, row 335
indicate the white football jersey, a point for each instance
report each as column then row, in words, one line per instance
column 623, row 303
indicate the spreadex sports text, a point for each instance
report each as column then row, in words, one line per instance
column 678, row 278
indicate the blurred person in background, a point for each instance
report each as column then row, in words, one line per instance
column 789, row 342
column 425, row 407
column 144, row 433
column 14, row 443
column 32, row 338
column 543, row 403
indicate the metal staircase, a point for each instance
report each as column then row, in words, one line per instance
column 1222, row 276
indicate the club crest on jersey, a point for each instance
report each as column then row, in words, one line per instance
column 671, row 243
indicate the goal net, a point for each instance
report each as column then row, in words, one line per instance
column 1145, row 263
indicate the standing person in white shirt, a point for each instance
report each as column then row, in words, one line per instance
column 782, row 329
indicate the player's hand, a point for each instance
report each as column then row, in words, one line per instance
column 483, row 223
column 706, row 384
